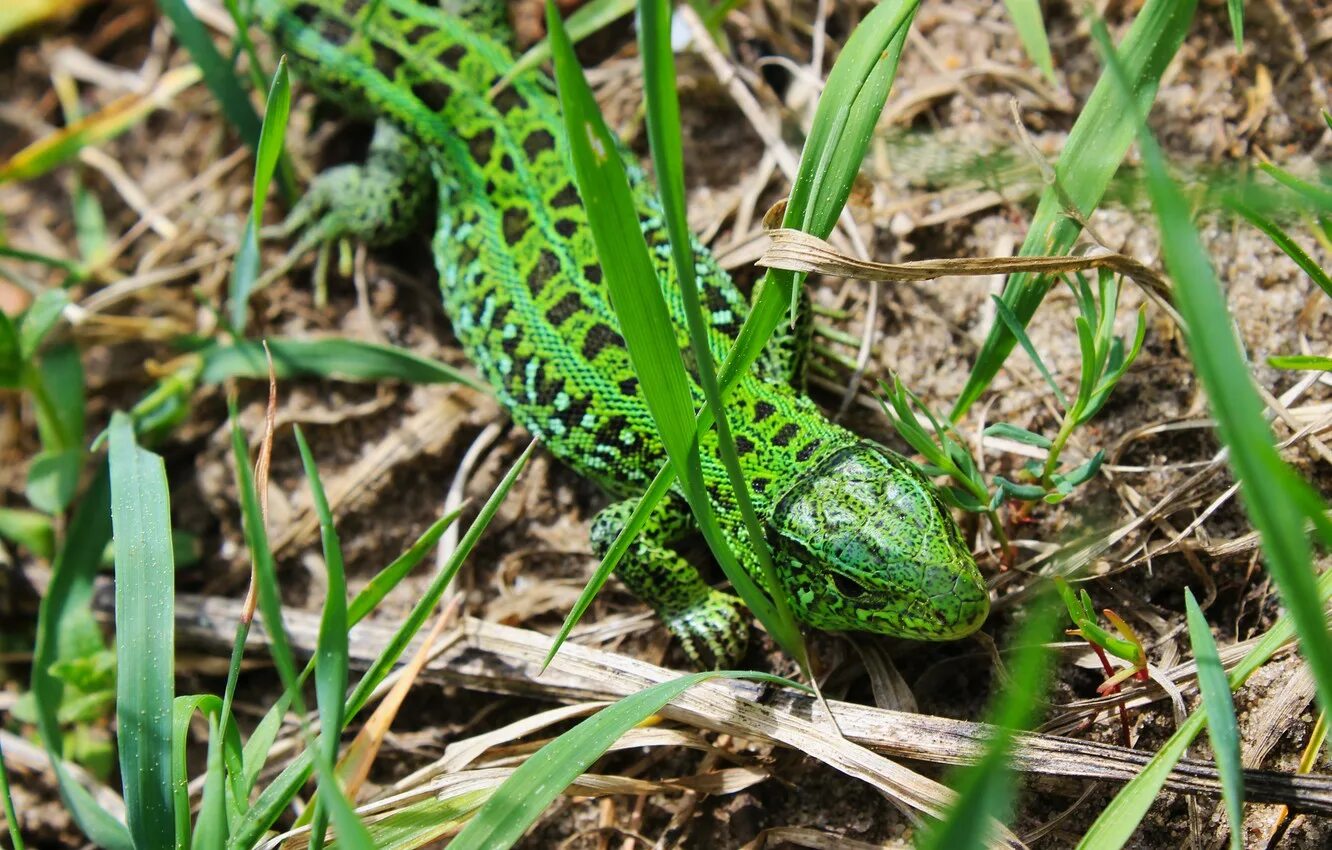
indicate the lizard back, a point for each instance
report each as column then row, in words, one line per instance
column 515, row 253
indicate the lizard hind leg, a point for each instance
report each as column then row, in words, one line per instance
column 710, row 623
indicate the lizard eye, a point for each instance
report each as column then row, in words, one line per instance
column 848, row 586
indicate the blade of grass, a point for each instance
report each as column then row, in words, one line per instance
column 418, row 824
column 1095, row 147
column 1318, row 195
column 1020, row 334
column 224, row 757
column 145, row 635
column 985, row 790
column 65, row 612
column 1301, row 361
column 1222, row 728
column 274, row 799
column 245, row 270
column 525, row 794
column 1282, row 240
column 1116, row 823
column 586, row 20
column 11, row 817
column 218, row 75
column 1030, row 26
column 644, row 320
column 1235, row 9
column 61, row 146
column 331, row 657
column 341, row 359
column 1276, row 499
column 30, row 529
column 1274, row 496
column 850, row 106
column 663, row 120
column 370, row 596
column 348, row 825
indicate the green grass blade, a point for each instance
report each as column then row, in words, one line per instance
column 985, row 790
column 586, row 20
column 1222, row 728
column 1030, row 26
column 526, row 793
column 1282, row 240
column 663, row 120
column 645, row 322
column 256, row 539
column 1015, row 327
column 275, row 798
column 245, row 271
column 145, row 635
column 331, row 653
column 224, row 757
column 1115, row 825
column 65, row 617
column 419, row 824
column 218, row 75
column 344, row 819
column 415, row 620
column 1276, row 499
column 11, row 817
column 844, row 122
column 210, row 828
column 261, row 739
column 1095, row 147
column 1318, row 195
column 1273, row 495
column 1235, row 9
column 39, row 319
column 30, row 529
column 867, row 63
column 1301, row 361
column 654, row 493
column 338, row 359
column 389, row 577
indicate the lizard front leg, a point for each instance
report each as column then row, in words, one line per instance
column 710, row 623
column 378, row 202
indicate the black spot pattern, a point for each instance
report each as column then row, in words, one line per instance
column 546, row 267
column 516, row 223
column 480, row 145
column 783, row 437
column 536, row 142
column 453, row 56
column 567, row 306
column 434, row 94
column 566, row 197
column 600, row 336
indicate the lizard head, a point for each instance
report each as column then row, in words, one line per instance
column 861, row 541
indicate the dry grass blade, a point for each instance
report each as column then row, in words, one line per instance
column 106, row 123
column 502, row 659
column 796, row 251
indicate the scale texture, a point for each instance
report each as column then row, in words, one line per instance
column 860, row 537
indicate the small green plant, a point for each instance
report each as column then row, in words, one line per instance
column 1105, row 358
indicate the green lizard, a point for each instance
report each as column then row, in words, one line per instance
column 860, row 538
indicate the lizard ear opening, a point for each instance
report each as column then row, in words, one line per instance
column 847, row 586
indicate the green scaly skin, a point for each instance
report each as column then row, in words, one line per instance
column 861, row 539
